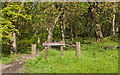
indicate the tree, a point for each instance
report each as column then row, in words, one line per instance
column 9, row 23
column 50, row 30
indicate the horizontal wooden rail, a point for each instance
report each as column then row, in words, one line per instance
column 106, row 47
column 53, row 43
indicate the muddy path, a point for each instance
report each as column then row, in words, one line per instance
column 16, row 67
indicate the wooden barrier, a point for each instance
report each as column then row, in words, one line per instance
column 78, row 49
column 106, row 47
column 53, row 44
column 33, row 51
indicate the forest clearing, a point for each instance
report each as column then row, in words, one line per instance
column 60, row 37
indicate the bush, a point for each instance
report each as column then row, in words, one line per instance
column 111, row 38
column 24, row 46
column 25, row 43
column 7, row 58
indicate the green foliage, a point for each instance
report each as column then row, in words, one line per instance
column 5, row 49
column 24, row 46
column 25, row 42
column 57, row 34
column 39, row 47
column 7, row 58
column 111, row 38
column 9, row 18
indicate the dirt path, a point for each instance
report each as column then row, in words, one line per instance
column 16, row 67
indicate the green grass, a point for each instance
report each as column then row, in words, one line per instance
column 94, row 59
column 7, row 58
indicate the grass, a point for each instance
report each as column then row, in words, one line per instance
column 7, row 58
column 94, row 59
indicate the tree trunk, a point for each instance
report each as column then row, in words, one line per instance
column 62, row 33
column 72, row 37
column 99, row 35
column 14, row 42
column 63, row 29
column 113, row 24
column 50, row 33
column 76, row 32
column 50, row 30
column 10, row 42
column 19, row 28
column 117, row 31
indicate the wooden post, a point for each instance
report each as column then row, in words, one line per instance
column 61, row 50
column 38, row 40
column 106, row 48
column 45, row 52
column 78, row 49
column 33, row 51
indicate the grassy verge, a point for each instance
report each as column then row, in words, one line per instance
column 94, row 59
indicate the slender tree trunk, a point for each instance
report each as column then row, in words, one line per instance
column 19, row 28
column 10, row 42
column 90, row 31
column 117, row 31
column 50, row 33
column 113, row 24
column 72, row 37
column 76, row 31
column 63, row 29
column 14, row 42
